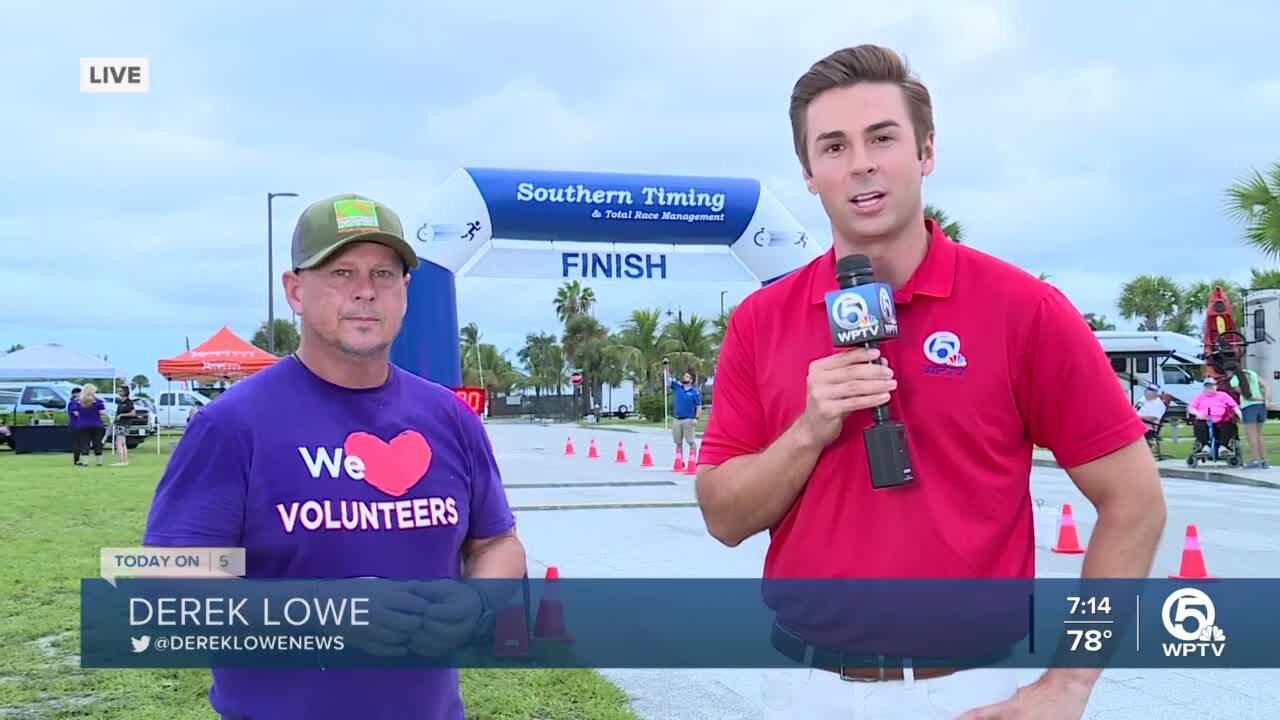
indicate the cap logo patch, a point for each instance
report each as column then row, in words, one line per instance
column 353, row 215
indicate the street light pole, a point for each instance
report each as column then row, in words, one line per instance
column 722, row 292
column 271, row 276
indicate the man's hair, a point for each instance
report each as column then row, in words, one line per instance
column 852, row 66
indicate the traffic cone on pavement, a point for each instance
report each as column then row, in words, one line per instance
column 511, row 632
column 1068, row 541
column 568, row 446
column 691, row 467
column 622, row 454
column 592, row 452
column 678, row 465
column 1193, row 567
column 550, row 624
column 647, row 459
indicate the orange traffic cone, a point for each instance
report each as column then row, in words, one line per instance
column 592, row 453
column 549, row 624
column 622, row 454
column 691, row 467
column 678, row 465
column 647, row 460
column 511, row 632
column 1193, row 567
column 568, row 446
column 1068, row 541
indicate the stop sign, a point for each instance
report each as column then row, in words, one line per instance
column 576, row 378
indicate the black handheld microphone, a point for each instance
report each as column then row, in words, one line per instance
column 862, row 312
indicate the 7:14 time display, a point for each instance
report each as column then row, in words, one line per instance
column 1090, row 605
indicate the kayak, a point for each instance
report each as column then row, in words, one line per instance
column 1220, row 334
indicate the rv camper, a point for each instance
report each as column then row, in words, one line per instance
column 1170, row 360
column 1262, row 339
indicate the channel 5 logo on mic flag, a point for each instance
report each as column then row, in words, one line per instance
column 861, row 314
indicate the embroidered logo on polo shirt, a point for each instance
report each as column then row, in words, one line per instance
column 942, row 348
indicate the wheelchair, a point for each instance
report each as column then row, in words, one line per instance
column 1218, row 449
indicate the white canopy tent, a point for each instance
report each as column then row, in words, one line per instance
column 54, row 362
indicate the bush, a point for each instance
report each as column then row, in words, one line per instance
column 650, row 406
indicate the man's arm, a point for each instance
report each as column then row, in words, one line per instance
column 1099, row 440
column 493, row 549
column 750, row 493
column 500, row 556
column 1125, row 490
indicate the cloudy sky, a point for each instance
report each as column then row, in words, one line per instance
column 1091, row 141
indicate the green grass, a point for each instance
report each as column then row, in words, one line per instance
column 54, row 518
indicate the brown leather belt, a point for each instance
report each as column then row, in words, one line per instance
column 885, row 674
column 866, row 668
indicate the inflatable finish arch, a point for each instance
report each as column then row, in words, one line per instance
column 555, row 225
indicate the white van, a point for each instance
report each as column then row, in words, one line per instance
column 1170, row 360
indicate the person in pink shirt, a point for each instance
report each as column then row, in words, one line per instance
column 1217, row 407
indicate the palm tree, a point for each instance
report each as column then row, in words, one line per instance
column 1196, row 299
column 1098, row 322
column 584, row 345
column 574, row 299
column 689, row 344
column 543, row 363
column 639, row 346
column 950, row 228
column 1154, row 298
column 1260, row 279
column 1254, row 201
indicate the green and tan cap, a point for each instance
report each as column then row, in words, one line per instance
column 331, row 224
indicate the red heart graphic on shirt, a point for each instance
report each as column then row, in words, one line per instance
column 393, row 467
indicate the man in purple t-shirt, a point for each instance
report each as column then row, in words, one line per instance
column 333, row 463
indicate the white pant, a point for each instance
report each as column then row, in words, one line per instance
column 821, row 694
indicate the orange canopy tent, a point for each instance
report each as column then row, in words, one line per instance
column 222, row 357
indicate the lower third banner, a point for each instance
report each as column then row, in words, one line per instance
column 645, row 623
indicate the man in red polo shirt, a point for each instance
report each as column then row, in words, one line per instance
column 989, row 362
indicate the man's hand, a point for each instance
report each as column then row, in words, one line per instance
column 840, row 384
column 453, row 609
column 395, row 615
column 1045, row 699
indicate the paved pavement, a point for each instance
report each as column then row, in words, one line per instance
column 1237, row 526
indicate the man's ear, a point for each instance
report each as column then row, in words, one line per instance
column 292, row 281
column 927, row 156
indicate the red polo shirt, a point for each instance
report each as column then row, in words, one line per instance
column 989, row 360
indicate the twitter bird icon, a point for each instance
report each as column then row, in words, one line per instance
column 140, row 644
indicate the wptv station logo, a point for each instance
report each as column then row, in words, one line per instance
column 1188, row 615
column 115, row 75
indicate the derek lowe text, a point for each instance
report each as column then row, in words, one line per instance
column 226, row 612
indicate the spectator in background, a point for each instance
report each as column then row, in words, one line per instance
column 125, row 415
column 1152, row 408
column 90, row 408
column 1217, row 407
column 73, row 422
column 1255, row 396
column 686, row 402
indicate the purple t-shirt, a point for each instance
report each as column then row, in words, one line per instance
column 266, row 467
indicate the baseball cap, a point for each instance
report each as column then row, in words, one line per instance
column 331, row 224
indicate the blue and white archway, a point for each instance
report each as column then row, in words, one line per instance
column 548, row 225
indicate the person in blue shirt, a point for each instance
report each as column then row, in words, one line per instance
column 688, row 403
